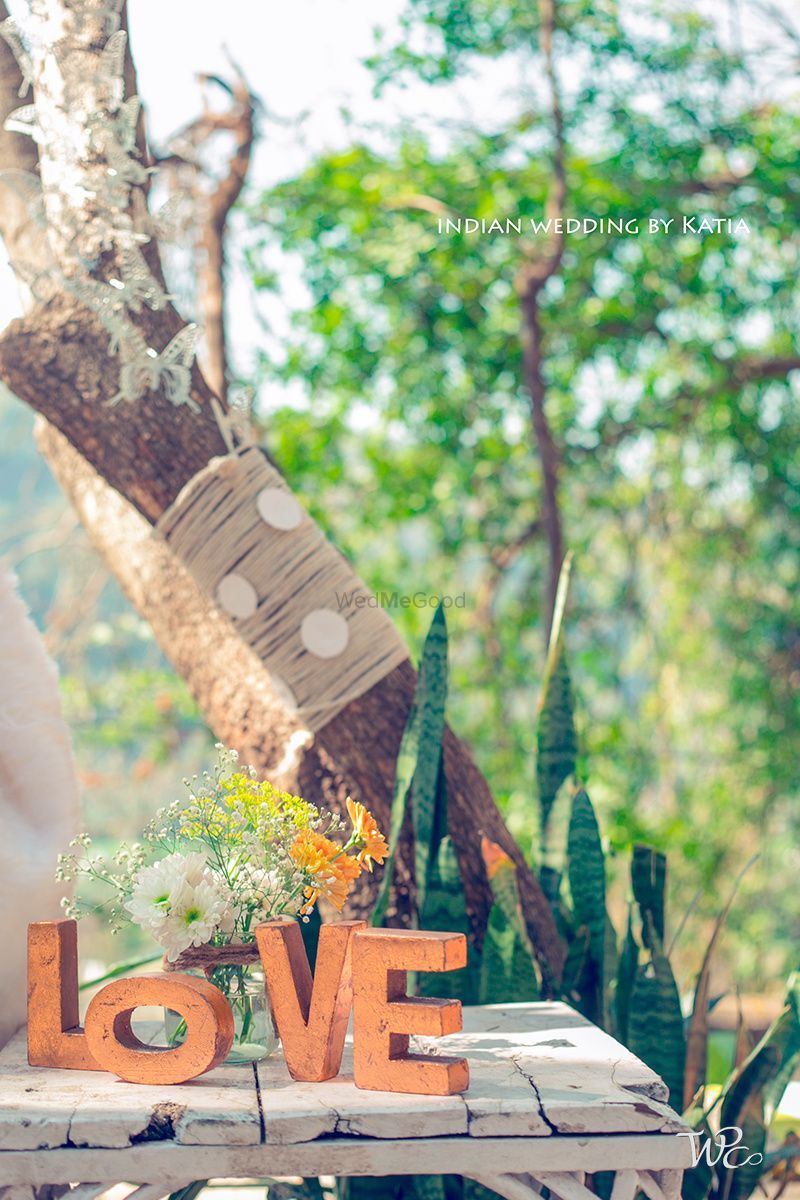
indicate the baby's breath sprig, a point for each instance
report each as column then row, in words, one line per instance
column 235, row 853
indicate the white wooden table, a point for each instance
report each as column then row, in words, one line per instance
column 551, row 1098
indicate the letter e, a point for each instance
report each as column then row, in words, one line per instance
column 384, row 1015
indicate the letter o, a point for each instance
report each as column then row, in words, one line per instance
column 112, row 1042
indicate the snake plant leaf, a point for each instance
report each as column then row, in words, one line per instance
column 740, row 1181
column 417, row 768
column 773, row 1093
column 762, row 1078
column 577, row 967
column 432, row 704
column 700, row 1180
column 697, row 1036
column 649, row 880
column 556, row 740
column 190, row 1191
column 655, row 1023
column 587, row 885
column 626, row 974
column 508, row 972
column 310, row 930
column 445, row 909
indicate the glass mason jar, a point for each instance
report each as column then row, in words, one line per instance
column 244, row 988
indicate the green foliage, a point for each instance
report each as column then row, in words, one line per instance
column 666, row 362
column 586, row 872
column 630, row 989
column 556, row 742
column 627, row 970
column 445, row 909
column 508, row 971
column 649, row 881
column 655, row 1023
column 417, row 773
column 752, row 1093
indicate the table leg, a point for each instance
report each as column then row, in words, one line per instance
column 564, row 1185
column 83, row 1191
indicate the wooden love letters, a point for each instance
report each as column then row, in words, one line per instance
column 358, row 969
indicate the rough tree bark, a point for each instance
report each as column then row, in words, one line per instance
column 56, row 359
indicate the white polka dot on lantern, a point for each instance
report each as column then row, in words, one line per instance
column 237, row 596
column 324, row 633
column 278, row 508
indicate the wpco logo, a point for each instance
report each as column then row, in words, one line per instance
column 723, row 1149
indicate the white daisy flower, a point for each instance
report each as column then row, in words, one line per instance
column 155, row 891
column 194, row 920
column 163, row 887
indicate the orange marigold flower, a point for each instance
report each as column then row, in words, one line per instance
column 311, row 851
column 372, row 845
column 333, row 872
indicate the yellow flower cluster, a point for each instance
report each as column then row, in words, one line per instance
column 331, row 870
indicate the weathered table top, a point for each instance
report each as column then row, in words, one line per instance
column 547, row 1088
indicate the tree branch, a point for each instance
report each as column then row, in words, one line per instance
column 239, row 120
column 531, row 279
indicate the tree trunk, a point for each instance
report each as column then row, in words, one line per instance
column 56, row 358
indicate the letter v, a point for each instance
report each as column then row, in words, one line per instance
column 311, row 1014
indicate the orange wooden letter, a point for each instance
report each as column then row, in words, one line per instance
column 55, row 1038
column 384, row 1015
column 311, row 1015
column 209, row 1028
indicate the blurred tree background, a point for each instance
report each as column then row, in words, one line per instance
column 669, row 366
column 664, row 372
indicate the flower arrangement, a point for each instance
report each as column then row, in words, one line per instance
column 210, row 869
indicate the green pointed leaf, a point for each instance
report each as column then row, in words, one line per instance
column 556, row 741
column 310, row 928
column 761, row 1080
column 577, row 974
column 655, row 1024
column 417, row 769
column 699, row 1181
column 508, row 971
column 587, row 885
column 445, row 909
column 649, row 879
column 626, row 974
column 432, row 704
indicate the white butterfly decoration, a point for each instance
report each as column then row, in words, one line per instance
column 169, row 222
column 11, row 33
column 25, row 120
column 86, row 14
column 146, row 370
column 109, row 217
column 136, row 284
column 97, row 236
